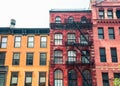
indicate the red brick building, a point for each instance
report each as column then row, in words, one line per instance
column 106, row 31
column 71, row 48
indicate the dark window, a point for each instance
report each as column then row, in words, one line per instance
column 29, row 59
column 83, row 39
column 71, row 38
column 110, row 14
column 72, row 77
column 118, row 13
column 87, row 81
column 100, row 33
column 58, row 39
column 2, row 79
column 16, row 58
column 17, row 43
column 43, row 58
column 102, row 55
column 30, row 41
column 58, row 57
column 116, row 75
column 2, row 58
column 43, row 42
column 71, row 56
column 111, row 33
column 83, row 19
column 57, row 19
column 101, row 14
column 58, row 78
column 4, row 42
column 14, row 79
column 42, row 79
column 70, row 20
column 114, row 55
column 85, row 57
column 28, row 79
column 105, row 79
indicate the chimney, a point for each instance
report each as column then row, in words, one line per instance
column 12, row 23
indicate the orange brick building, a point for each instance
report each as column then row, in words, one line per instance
column 24, row 56
column 106, row 31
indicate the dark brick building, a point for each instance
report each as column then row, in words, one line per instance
column 71, row 48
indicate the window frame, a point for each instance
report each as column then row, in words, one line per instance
column 102, row 52
column 15, row 42
column 58, row 56
column 43, row 62
column 71, row 38
column 30, row 75
column 110, row 16
column 73, row 56
column 14, row 60
column 57, row 19
column 28, row 60
column 3, row 78
column 40, row 76
column 100, row 33
column 105, row 78
column 30, row 42
column 58, row 38
column 101, row 14
column 111, row 34
column 1, row 58
column 84, row 57
column 14, row 75
column 114, row 56
column 4, row 44
column 43, row 42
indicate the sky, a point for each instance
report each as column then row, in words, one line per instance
column 34, row 13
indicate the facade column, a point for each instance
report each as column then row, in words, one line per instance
column 105, row 13
column 114, row 13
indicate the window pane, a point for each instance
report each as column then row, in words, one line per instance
column 43, row 43
column 114, row 55
column 14, row 78
column 43, row 58
column 2, row 58
column 29, row 59
column 3, row 42
column 58, row 39
column 28, row 78
column 57, row 19
column 105, row 79
column 2, row 79
column 102, row 55
column 100, row 33
column 30, row 41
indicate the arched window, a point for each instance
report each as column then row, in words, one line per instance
column 88, row 79
column 58, row 57
column 70, row 19
column 57, row 19
column 83, row 19
column 71, row 56
column 72, row 78
column 58, row 78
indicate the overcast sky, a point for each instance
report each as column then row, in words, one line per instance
column 34, row 13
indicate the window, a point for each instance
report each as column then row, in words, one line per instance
column 72, row 78
column 118, row 13
column 30, row 41
column 101, row 14
column 111, row 33
column 16, row 58
column 84, row 39
column 43, row 43
column 105, row 79
column 71, row 38
column 110, row 14
column 70, row 20
column 43, row 58
column 100, row 33
column 58, row 78
column 87, row 81
column 83, row 19
column 58, row 39
column 28, row 79
column 114, row 55
column 17, row 41
column 57, row 19
column 42, row 79
column 102, row 55
column 14, row 79
column 2, row 58
column 4, row 42
column 116, row 75
column 2, row 79
column 85, row 57
column 29, row 59
column 71, row 56
column 58, row 57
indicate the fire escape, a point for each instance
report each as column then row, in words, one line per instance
column 84, row 27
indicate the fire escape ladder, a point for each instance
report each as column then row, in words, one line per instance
column 82, row 52
column 83, row 77
column 81, row 31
